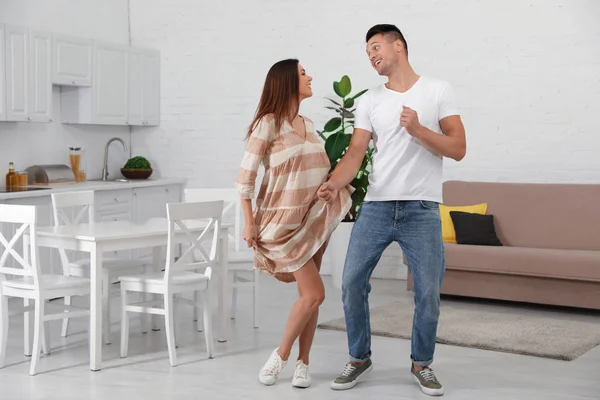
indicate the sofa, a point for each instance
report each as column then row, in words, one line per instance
column 549, row 251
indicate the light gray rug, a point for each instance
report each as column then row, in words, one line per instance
column 553, row 334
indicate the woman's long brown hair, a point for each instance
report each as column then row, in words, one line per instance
column 280, row 93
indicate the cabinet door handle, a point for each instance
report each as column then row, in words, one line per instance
column 73, row 82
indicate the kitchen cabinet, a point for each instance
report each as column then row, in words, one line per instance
column 17, row 53
column 101, row 83
column 40, row 77
column 27, row 72
column 106, row 102
column 114, row 205
column 144, row 87
column 72, row 61
column 2, row 76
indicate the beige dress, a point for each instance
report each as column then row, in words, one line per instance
column 293, row 223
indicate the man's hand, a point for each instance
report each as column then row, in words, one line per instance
column 410, row 121
column 327, row 192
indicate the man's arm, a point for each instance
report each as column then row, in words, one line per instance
column 348, row 166
column 451, row 144
column 350, row 163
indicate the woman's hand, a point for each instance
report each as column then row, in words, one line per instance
column 327, row 192
column 249, row 234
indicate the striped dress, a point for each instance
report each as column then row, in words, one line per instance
column 292, row 222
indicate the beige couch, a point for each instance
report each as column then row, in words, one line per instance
column 551, row 244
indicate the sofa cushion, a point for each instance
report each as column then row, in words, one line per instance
column 551, row 263
column 448, row 232
column 475, row 229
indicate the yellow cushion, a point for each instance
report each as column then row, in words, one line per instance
column 448, row 234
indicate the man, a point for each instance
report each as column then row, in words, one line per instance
column 414, row 123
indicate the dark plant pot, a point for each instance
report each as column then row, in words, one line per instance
column 136, row 173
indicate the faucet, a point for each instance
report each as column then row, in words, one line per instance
column 105, row 167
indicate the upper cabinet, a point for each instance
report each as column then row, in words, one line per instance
column 72, row 64
column 101, row 83
column 2, row 76
column 40, row 76
column 144, row 87
column 27, row 69
column 106, row 101
column 26, row 62
column 17, row 73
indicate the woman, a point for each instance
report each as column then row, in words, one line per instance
column 290, row 226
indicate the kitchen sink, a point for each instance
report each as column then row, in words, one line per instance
column 111, row 180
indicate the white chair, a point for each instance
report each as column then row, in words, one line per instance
column 240, row 262
column 185, row 220
column 71, row 208
column 29, row 283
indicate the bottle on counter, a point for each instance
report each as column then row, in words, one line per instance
column 10, row 175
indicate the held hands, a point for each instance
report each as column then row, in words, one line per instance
column 249, row 234
column 410, row 121
column 327, row 192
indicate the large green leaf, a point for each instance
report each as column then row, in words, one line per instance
column 336, row 145
column 358, row 196
column 332, row 124
column 345, row 86
column 349, row 103
column 361, row 183
column 357, row 95
column 336, row 88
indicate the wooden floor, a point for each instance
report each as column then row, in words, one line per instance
column 466, row 373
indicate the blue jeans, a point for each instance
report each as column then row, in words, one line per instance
column 416, row 226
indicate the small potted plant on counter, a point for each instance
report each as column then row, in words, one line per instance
column 137, row 168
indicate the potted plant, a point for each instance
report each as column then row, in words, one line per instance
column 337, row 134
column 137, row 168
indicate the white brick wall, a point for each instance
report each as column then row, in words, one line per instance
column 48, row 143
column 525, row 74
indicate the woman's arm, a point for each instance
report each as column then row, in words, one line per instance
column 258, row 143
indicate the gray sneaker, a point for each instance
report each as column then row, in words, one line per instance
column 351, row 375
column 427, row 381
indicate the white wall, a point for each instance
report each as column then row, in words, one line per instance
column 28, row 143
column 526, row 75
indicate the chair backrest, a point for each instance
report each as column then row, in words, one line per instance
column 232, row 209
column 23, row 218
column 192, row 223
column 71, row 208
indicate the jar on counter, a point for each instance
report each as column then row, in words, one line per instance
column 21, row 178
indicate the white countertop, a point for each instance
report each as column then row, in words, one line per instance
column 93, row 185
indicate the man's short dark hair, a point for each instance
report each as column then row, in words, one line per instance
column 390, row 31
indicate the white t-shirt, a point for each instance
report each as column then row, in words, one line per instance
column 403, row 168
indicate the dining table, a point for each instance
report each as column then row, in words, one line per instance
column 96, row 238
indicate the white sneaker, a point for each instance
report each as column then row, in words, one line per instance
column 301, row 376
column 270, row 371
